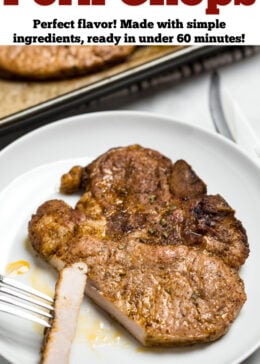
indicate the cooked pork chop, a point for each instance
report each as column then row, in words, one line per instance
column 162, row 255
column 43, row 62
column 137, row 192
column 69, row 293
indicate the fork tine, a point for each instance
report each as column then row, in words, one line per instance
column 12, row 297
column 25, row 297
column 17, row 312
column 24, row 288
column 17, row 303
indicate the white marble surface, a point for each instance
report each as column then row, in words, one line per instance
column 189, row 102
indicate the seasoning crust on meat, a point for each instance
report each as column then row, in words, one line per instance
column 138, row 192
column 162, row 255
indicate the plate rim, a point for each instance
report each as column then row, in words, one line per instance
column 125, row 113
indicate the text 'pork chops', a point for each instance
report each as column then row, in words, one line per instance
column 162, row 255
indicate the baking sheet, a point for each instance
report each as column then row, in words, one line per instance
column 35, row 104
column 19, row 95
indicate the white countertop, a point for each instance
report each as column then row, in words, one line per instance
column 189, row 101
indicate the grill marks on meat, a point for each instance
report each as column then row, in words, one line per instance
column 160, row 252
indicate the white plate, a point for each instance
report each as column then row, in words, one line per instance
column 31, row 167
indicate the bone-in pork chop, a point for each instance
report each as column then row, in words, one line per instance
column 162, row 255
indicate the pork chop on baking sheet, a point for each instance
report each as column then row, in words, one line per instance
column 45, row 62
column 162, row 255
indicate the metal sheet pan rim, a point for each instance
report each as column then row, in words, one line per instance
column 181, row 55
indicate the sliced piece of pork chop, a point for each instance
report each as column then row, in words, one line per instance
column 69, row 293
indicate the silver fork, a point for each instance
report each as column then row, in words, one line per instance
column 21, row 300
